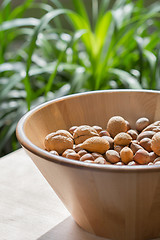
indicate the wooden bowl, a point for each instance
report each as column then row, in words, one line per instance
column 116, row 202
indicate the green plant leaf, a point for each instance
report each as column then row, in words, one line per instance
column 21, row 22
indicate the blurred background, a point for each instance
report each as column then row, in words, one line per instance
column 53, row 48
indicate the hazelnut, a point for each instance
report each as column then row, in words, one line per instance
column 128, row 125
column 156, row 160
column 112, row 156
column 82, row 152
column 54, row 152
column 132, row 163
column 119, row 163
column 152, row 156
column 73, row 155
column 116, row 125
column 141, row 157
column 146, row 144
column 104, row 133
column 142, row 123
column 110, row 140
column 100, row 160
column 72, row 129
column 155, row 143
column 87, row 156
column 118, row 148
column 133, row 134
column 126, row 155
column 83, row 132
column 98, row 129
column 146, row 134
column 77, row 148
column 96, row 155
column 135, row 147
column 122, row 139
column 96, row 144
column 67, row 151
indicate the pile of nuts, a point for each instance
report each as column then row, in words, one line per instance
column 118, row 144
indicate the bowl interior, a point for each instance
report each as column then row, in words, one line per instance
column 93, row 108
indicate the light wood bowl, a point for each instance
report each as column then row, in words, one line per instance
column 116, row 202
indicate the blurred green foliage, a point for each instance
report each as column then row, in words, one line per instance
column 41, row 59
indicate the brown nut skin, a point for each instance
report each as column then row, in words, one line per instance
column 126, row 155
column 133, row 134
column 96, row 144
column 100, row 160
column 73, row 155
column 112, row 156
column 146, row 144
column 87, row 156
column 155, row 143
column 58, row 143
column 157, row 163
column 115, row 125
column 142, row 123
column 72, row 129
column 110, row 140
column 156, row 160
column 146, row 134
column 118, row 148
column 97, row 128
column 84, row 132
column 104, row 133
column 82, row 152
column 77, row 148
column 132, row 163
column 122, row 139
column 67, row 151
column 135, row 147
column 153, row 156
column 141, row 157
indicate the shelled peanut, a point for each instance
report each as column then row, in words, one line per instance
column 118, row 144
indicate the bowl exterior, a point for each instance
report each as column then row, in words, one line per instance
column 115, row 205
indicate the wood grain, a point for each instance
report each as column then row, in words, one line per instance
column 117, row 203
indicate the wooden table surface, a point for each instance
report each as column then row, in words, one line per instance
column 29, row 208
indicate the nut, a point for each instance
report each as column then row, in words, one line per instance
column 146, row 134
column 54, row 152
column 73, row 155
column 77, row 148
column 82, row 152
column 96, row 155
column 116, row 125
column 64, row 133
column 100, row 160
column 133, row 134
column 104, row 133
column 146, row 144
column 83, row 132
column 118, row 148
column 119, row 163
column 155, row 143
column 96, row 144
column 156, row 160
column 87, row 156
column 126, row 155
column 141, row 157
column 128, row 125
column 122, row 139
column 112, row 156
column 67, row 151
column 142, row 123
column 110, row 140
column 58, row 143
column 72, row 129
column 132, row 163
column 98, row 129
column 135, row 147
column 155, row 127
column 152, row 156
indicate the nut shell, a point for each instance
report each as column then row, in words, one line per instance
column 126, row 155
column 141, row 157
column 116, row 125
column 142, row 123
column 122, row 139
column 96, row 144
column 155, row 143
column 112, row 156
column 83, row 132
column 155, row 127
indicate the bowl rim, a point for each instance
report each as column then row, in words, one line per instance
column 29, row 146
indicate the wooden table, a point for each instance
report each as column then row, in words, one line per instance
column 29, row 208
